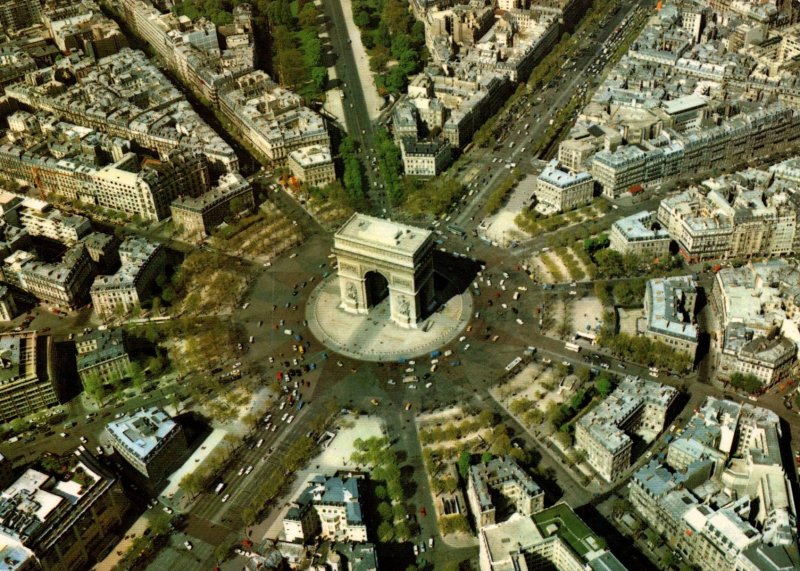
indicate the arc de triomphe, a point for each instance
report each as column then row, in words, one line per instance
column 377, row 258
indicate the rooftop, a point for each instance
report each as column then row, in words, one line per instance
column 371, row 232
column 142, row 431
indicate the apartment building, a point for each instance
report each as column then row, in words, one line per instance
column 39, row 218
column 102, row 355
column 150, row 441
column 640, row 234
column 555, row 538
column 68, row 518
column 312, row 166
column 103, row 250
column 192, row 49
column 427, row 158
column 505, row 477
column 18, row 14
column 141, row 262
column 735, row 141
column 759, row 219
column 723, row 500
column 64, row 283
column 669, row 306
column 8, row 307
column 271, row 118
column 328, row 507
column 558, row 190
column 756, row 308
column 80, row 25
column 14, row 64
column 125, row 95
column 637, row 406
column 198, row 216
column 29, row 376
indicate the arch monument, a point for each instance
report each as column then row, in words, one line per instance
column 378, row 258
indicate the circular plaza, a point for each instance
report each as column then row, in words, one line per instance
column 374, row 336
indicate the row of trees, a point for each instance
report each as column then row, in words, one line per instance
column 382, row 459
column 640, row 349
column 434, row 196
column 353, row 178
column 390, row 165
column 456, row 430
column 391, row 35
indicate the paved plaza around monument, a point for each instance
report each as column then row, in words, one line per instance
column 374, row 337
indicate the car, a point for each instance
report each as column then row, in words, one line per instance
column 99, row 451
column 187, row 545
column 249, row 469
column 63, row 435
column 167, row 510
column 422, row 511
column 430, row 543
column 241, row 471
column 225, row 498
column 84, row 440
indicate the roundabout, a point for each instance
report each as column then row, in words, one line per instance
column 374, row 336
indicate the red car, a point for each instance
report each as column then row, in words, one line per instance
column 422, row 511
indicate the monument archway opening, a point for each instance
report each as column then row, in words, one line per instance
column 378, row 259
column 377, row 288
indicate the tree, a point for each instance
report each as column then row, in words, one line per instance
column 486, row 457
column 93, row 386
column 135, row 374
column 160, row 523
column 501, row 443
column 385, row 532
column 191, row 484
column 385, row 511
column 463, row 464
column 380, row 492
column 746, row 382
column 603, row 385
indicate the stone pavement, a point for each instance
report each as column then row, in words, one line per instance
column 374, row 337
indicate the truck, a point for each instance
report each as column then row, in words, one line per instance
column 410, row 379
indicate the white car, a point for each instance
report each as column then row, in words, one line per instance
column 249, row 469
column 225, row 498
column 84, row 440
column 187, row 545
column 241, row 470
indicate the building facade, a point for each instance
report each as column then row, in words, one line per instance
column 559, row 191
column 313, row 166
column 142, row 261
column 640, row 234
column 150, row 441
column 102, row 355
column 636, row 405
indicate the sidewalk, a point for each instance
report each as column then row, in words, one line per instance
column 136, row 530
column 367, row 81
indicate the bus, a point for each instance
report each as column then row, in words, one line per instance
column 510, row 367
column 572, row 347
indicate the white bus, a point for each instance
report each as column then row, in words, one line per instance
column 510, row 367
column 572, row 347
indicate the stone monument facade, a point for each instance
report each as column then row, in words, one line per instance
column 377, row 259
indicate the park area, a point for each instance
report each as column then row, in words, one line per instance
column 260, row 237
column 447, row 436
